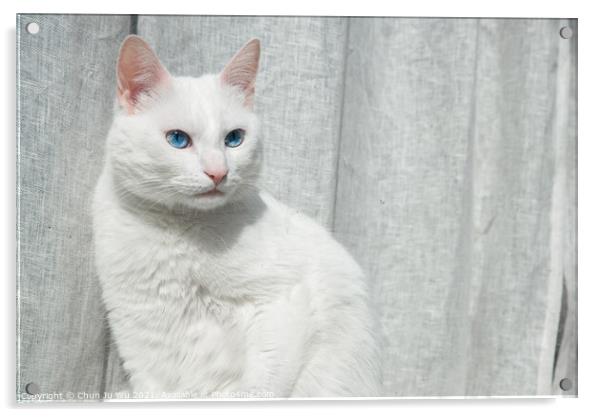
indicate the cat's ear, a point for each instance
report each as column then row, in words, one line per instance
column 139, row 72
column 241, row 71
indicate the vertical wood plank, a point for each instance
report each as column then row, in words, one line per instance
column 65, row 99
column 298, row 95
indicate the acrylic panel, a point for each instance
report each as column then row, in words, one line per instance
column 440, row 152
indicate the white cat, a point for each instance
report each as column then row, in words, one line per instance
column 212, row 287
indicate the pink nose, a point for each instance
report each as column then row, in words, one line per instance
column 217, row 176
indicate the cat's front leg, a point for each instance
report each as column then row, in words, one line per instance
column 145, row 386
column 276, row 350
column 343, row 357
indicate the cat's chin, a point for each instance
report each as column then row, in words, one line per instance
column 208, row 200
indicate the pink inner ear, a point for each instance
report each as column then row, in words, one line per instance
column 139, row 71
column 241, row 71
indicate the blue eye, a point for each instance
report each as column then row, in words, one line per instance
column 178, row 139
column 234, row 138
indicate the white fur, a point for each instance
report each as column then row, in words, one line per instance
column 229, row 295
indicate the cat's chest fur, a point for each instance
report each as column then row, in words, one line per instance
column 183, row 308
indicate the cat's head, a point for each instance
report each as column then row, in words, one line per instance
column 183, row 141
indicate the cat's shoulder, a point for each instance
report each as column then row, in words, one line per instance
column 292, row 217
column 272, row 203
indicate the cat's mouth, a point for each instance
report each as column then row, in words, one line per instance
column 212, row 192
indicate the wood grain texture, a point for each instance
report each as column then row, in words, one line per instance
column 65, row 74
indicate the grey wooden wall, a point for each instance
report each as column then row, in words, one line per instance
column 440, row 152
